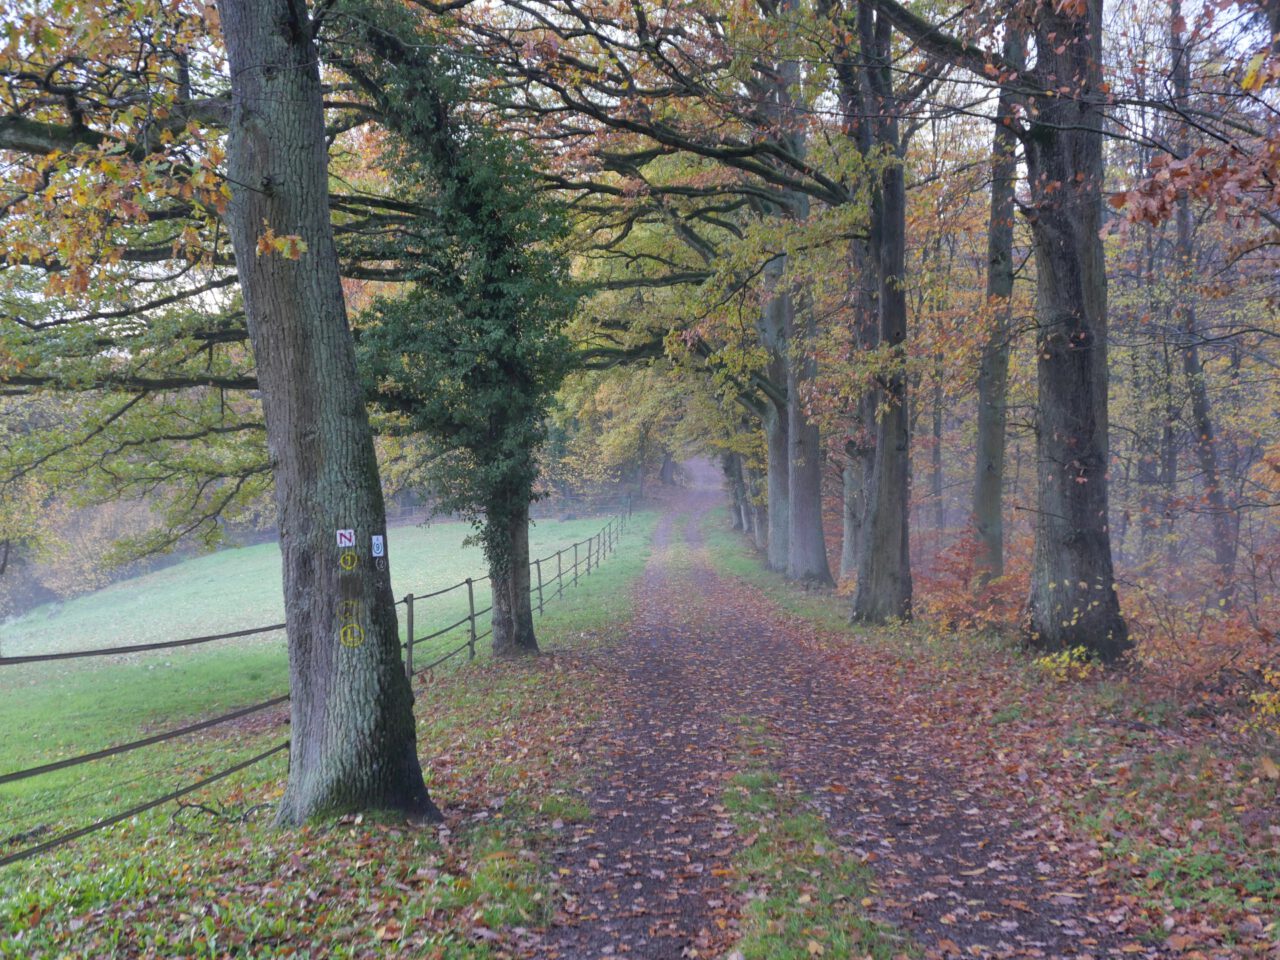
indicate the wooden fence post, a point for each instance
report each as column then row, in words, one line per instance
column 538, row 566
column 591, row 543
column 575, row 564
column 408, row 643
column 559, row 574
column 471, row 619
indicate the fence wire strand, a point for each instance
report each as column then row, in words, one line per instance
column 70, row 762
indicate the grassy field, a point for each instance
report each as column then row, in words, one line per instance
column 53, row 710
column 499, row 742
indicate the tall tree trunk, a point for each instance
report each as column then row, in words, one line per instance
column 853, row 508
column 667, row 474
column 737, row 495
column 884, row 568
column 759, row 510
column 993, row 369
column 807, row 546
column 513, row 634
column 1073, row 600
column 937, row 479
column 353, row 743
column 778, row 485
column 773, row 336
column 1223, row 521
column 860, row 446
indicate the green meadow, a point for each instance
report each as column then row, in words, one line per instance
column 59, row 709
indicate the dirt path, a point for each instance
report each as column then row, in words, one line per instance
column 644, row 877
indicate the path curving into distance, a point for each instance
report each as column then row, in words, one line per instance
column 646, row 876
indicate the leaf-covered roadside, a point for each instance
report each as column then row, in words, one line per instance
column 1171, row 805
column 229, row 886
column 504, row 747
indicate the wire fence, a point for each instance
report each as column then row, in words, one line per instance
column 572, row 563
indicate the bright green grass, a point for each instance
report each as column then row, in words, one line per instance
column 170, row 885
column 54, row 713
column 239, row 588
column 807, row 896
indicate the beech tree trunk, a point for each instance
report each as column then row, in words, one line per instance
column 1223, row 520
column 773, row 337
column 853, row 507
column 738, row 517
column 513, row 634
column 778, row 486
column 667, row 474
column 993, row 369
column 884, row 567
column 353, row 739
column 759, row 509
column 807, row 546
column 1073, row 600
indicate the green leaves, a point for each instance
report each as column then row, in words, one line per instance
column 472, row 352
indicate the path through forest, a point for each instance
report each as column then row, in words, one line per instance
column 958, row 869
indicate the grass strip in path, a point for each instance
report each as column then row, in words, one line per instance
column 1148, row 794
column 804, row 895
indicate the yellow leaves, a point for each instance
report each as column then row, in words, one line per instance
column 1270, row 769
column 1255, row 77
column 290, row 246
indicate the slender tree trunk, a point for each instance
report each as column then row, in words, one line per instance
column 1073, row 600
column 773, row 336
column 1223, row 521
column 853, row 498
column 884, row 567
column 737, row 496
column 935, row 456
column 993, row 370
column 513, row 634
column 353, row 741
column 759, row 511
column 778, row 486
column 807, row 546
column 667, row 474
column 860, row 447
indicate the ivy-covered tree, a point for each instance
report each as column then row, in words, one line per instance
column 473, row 352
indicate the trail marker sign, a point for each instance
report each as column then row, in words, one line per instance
column 346, row 538
column 379, row 546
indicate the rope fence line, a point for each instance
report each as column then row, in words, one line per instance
column 236, row 634
column 138, row 744
column 64, row 838
column 601, row 544
column 137, row 647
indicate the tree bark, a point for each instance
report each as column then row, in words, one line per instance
column 884, row 567
column 1073, row 600
column 993, row 369
column 667, row 474
column 353, row 741
column 773, row 336
column 807, row 546
column 778, row 486
column 738, row 518
column 1223, row 520
column 758, row 507
column 937, row 478
column 513, row 634
column 853, row 508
